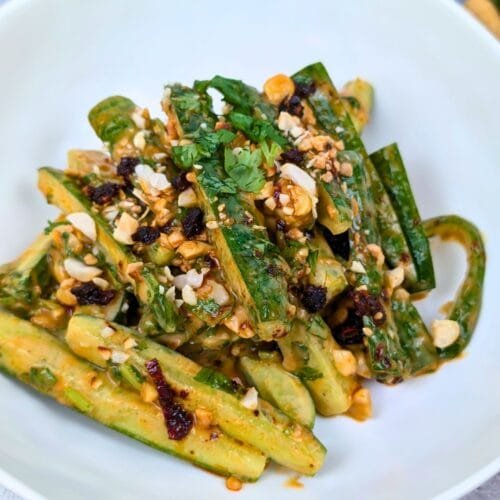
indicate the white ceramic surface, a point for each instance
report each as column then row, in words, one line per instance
column 437, row 76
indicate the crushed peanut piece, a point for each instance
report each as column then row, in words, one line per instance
column 193, row 249
column 251, row 399
column 96, row 382
column 376, row 253
column 107, row 332
column 270, row 203
column 129, row 344
column 444, row 332
column 212, row 224
column 361, row 408
column 278, row 88
column 345, row 169
column 204, row 418
column 148, row 392
column 104, row 352
column 119, row 357
column 394, row 277
column 367, row 331
column 345, row 362
column 357, row 267
column 90, row 259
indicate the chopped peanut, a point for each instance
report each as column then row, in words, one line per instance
column 95, row 382
column 345, row 362
column 444, row 332
column 48, row 318
column 394, row 277
column 129, row 343
column 90, row 259
column 104, row 352
column 363, row 369
column 376, row 253
column 361, row 408
column 175, row 238
column 204, row 418
column 345, row 169
column 278, row 88
column 270, row 203
column 321, row 142
column 64, row 296
column 193, row 249
column 148, row 392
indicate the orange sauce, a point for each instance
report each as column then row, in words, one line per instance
column 294, row 482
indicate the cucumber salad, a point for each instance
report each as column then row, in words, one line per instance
column 215, row 281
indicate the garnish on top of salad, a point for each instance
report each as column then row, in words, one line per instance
column 214, row 281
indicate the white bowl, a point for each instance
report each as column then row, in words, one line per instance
column 437, row 78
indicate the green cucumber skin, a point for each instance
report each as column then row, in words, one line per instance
column 192, row 109
column 390, row 167
column 280, row 388
column 252, row 253
column 334, row 119
column 23, row 345
column 310, row 346
column 415, row 337
column 467, row 303
column 267, row 430
column 111, row 119
column 393, row 240
column 363, row 93
column 18, row 282
column 331, row 194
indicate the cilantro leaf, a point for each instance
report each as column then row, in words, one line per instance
column 185, row 156
column 208, row 307
column 215, row 379
column 312, row 260
column 208, row 142
column 205, row 146
column 256, row 130
column 270, row 152
column 51, row 225
column 243, row 97
column 193, row 110
column 244, row 168
column 216, row 186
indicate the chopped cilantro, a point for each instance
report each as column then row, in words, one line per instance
column 317, row 327
column 352, row 101
column 51, row 225
column 270, row 153
column 206, row 144
column 207, row 306
column 312, row 260
column 303, row 349
column 215, row 379
column 244, row 168
column 256, row 130
column 42, row 378
column 185, row 156
column 241, row 96
column 216, row 186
